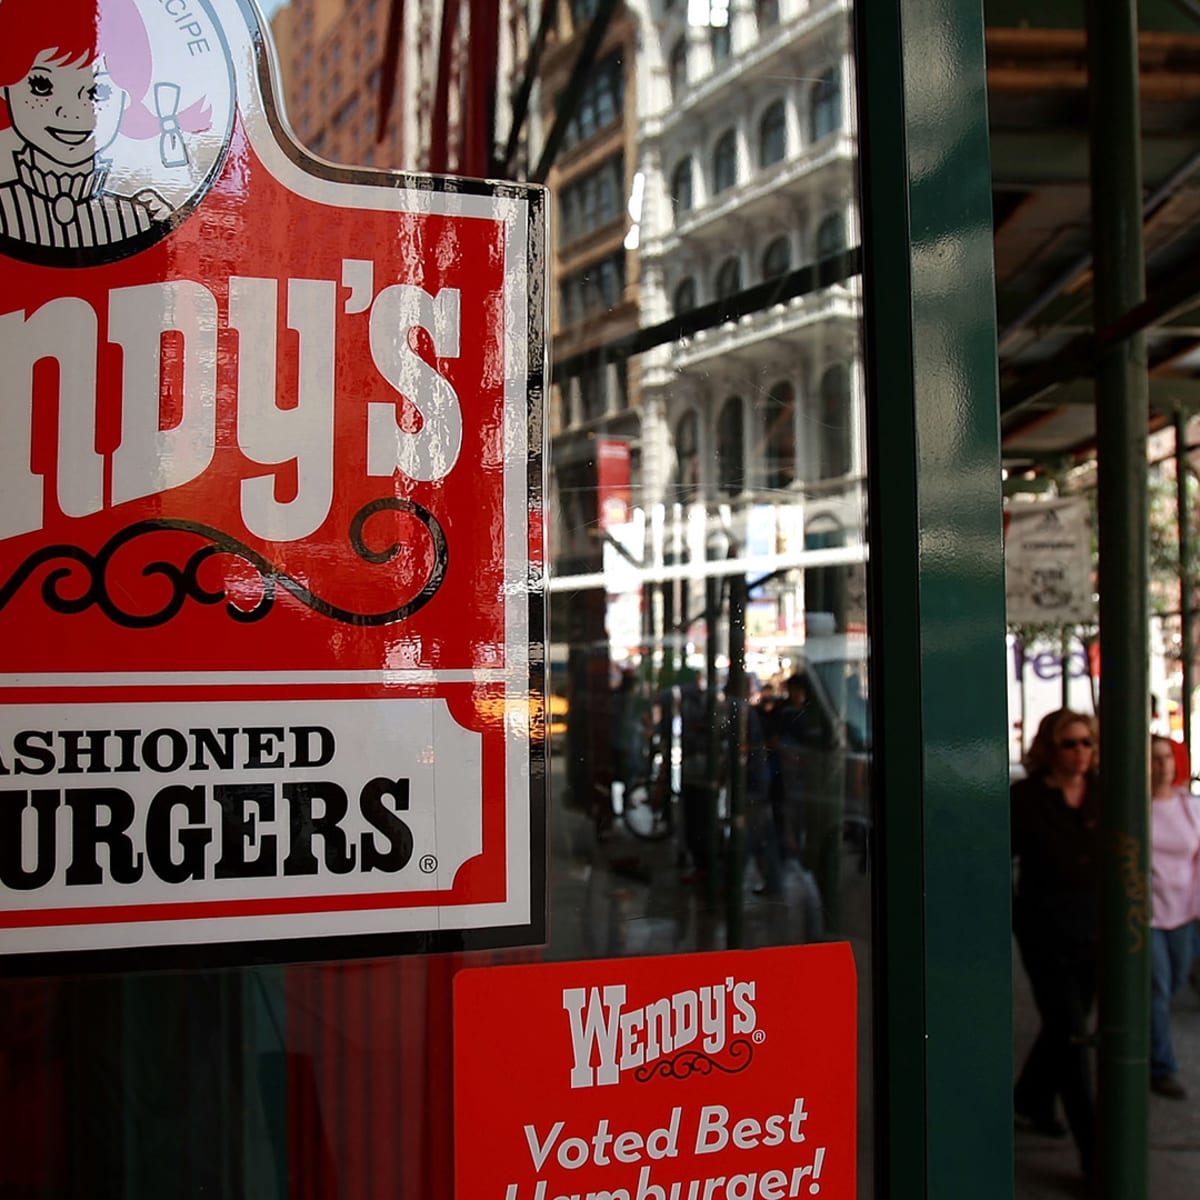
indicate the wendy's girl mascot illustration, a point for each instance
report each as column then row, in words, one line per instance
column 73, row 76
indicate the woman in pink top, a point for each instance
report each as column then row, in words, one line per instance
column 1175, row 872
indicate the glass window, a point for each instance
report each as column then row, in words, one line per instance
column 835, row 423
column 601, row 103
column 777, row 258
column 685, row 296
column 729, row 278
column 767, row 12
column 725, row 162
column 718, row 40
column 690, row 480
column 777, row 420
column 681, row 186
column 679, row 67
column 591, row 200
column 687, row 458
column 772, row 135
column 831, row 237
column 826, row 105
column 731, row 447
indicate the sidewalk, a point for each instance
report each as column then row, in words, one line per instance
column 1047, row 1169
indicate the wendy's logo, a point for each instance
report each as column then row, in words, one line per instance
column 114, row 119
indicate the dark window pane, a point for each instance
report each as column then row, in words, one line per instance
column 777, row 258
column 725, row 162
column 729, row 278
column 685, row 296
column 835, row 423
column 779, row 436
column 831, row 237
column 681, row 186
column 687, row 458
column 731, row 450
column 826, row 102
column 772, row 135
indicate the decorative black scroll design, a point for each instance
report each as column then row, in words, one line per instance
column 57, row 590
column 693, row 1062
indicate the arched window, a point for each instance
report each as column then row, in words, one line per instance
column 777, row 421
column 718, row 39
column 687, row 458
column 679, row 68
column 772, row 135
column 825, row 113
column 729, row 278
column 681, row 186
column 825, row 588
column 725, row 162
column 685, row 296
column 835, row 423
column 831, row 237
column 767, row 12
column 776, row 259
column 731, row 450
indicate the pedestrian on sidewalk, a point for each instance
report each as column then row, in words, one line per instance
column 1174, row 871
column 1055, row 821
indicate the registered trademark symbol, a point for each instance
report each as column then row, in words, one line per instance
column 760, row 1036
column 428, row 864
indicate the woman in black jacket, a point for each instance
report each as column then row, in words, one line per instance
column 1055, row 822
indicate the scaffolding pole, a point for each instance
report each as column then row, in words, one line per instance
column 1121, row 1153
column 1185, row 582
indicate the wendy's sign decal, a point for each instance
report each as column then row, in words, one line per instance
column 722, row 1076
column 115, row 119
column 270, row 534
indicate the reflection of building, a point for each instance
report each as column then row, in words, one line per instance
column 749, row 157
column 332, row 53
column 747, row 438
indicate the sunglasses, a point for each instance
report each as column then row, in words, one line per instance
column 1071, row 743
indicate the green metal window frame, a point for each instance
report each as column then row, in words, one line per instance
column 945, row 992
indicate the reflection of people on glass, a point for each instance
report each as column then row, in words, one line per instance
column 72, row 77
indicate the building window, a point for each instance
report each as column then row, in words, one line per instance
column 767, row 12
column 772, row 135
column 777, row 259
column 729, row 278
column 591, row 200
column 593, row 290
column 835, row 423
column 777, row 421
column 593, row 397
column 601, row 103
column 718, row 40
column 687, row 458
column 725, row 162
column 678, row 68
column 731, row 448
column 831, row 237
column 681, row 186
column 825, row 587
column 826, row 106
column 685, row 296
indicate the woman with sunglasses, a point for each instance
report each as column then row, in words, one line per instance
column 1055, row 821
column 1174, row 864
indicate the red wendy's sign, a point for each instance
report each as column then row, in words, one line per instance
column 726, row 1076
column 270, row 525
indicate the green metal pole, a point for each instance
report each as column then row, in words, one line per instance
column 1185, row 585
column 712, row 832
column 737, row 700
column 1122, row 1154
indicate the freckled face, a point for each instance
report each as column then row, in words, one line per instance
column 69, row 113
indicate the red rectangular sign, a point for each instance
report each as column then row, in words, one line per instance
column 726, row 1076
column 270, row 523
